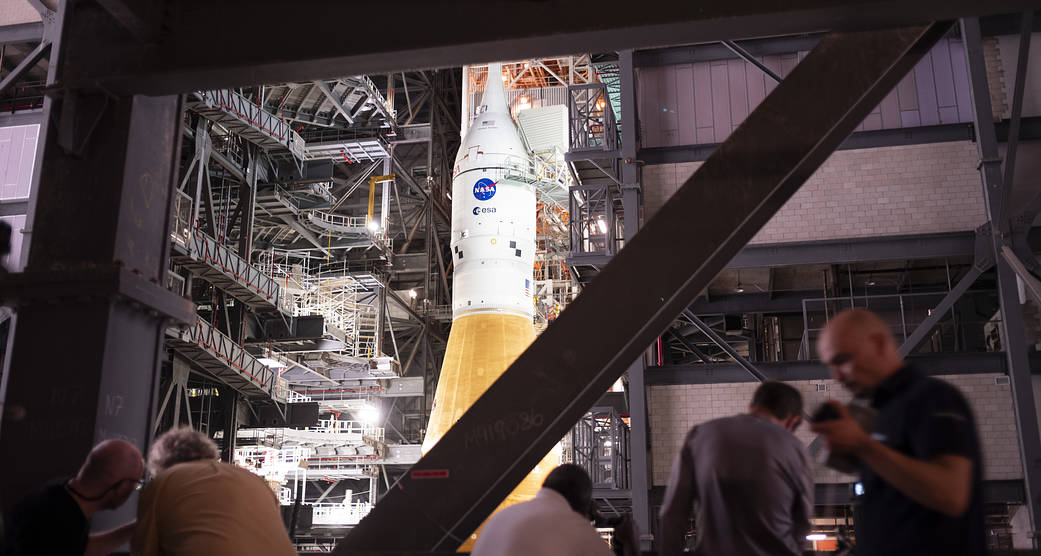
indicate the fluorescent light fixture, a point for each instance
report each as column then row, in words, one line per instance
column 369, row 414
column 816, row 537
column 272, row 363
column 603, row 225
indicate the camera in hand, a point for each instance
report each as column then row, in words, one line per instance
column 863, row 415
column 826, row 412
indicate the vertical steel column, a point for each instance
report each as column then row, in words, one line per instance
column 91, row 301
column 1008, row 290
column 631, row 224
column 230, row 424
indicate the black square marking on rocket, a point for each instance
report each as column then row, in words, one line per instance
column 456, row 248
column 517, row 252
column 460, row 254
column 513, row 245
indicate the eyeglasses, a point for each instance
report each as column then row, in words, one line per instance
column 138, row 483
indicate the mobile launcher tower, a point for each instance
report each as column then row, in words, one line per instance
column 493, row 247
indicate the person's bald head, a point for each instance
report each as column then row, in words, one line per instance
column 111, row 471
column 860, row 350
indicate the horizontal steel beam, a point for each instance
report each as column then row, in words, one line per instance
column 715, row 51
column 428, row 36
column 1030, row 130
column 21, row 32
column 729, row 372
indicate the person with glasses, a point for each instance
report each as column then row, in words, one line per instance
column 749, row 478
column 55, row 519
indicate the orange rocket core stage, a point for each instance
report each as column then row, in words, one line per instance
column 480, row 348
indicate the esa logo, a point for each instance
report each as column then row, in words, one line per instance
column 484, row 189
column 479, row 210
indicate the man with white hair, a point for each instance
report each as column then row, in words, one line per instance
column 195, row 504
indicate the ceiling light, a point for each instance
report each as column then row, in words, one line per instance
column 603, row 225
column 369, row 414
column 739, row 288
column 816, row 537
column 608, row 444
column 412, row 293
column 374, row 226
column 271, row 363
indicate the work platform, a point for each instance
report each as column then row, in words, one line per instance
column 225, row 269
column 217, row 354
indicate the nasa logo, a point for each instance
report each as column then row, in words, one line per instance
column 479, row 210
column 484, row 189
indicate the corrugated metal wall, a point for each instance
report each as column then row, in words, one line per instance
column 538, row 97
column 545, row 128
column 17, row 156
column 703, row 102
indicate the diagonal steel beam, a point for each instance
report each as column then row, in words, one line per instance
column 1016, row 112
column 304, row 233
column 1033, row 285
column 945, row 304
column 725, row 346
column 525, row 412
column 335, row 101
column 744, row 55
column 690, row 345
column 25, row 65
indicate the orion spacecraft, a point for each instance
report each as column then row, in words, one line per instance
column 493, row 249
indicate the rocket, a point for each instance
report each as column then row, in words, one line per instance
column 493, row 249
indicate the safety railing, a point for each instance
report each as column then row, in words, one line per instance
column 342, row 393
column 594, row 225
column 181, row 223
column 206, row 249
column 591, row 119
column 347, row 223
column 223, row 348
column 903, row 313
column 251, row 114
column 287, row 200
column 600, row 444
column 296, row 397
column 358, row 428
column 340, row 514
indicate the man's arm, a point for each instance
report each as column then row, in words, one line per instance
column 678, row 502
column 803, row 510
column 943, row 483
column 106, row 542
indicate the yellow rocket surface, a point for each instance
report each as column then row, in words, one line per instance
column 493, row 250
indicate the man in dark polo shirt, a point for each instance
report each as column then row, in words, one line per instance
column 55, row 519
column 920, row 467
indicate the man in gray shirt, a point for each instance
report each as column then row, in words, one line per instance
column 748, row 478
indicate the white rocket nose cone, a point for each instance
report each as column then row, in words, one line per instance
column 494, row 97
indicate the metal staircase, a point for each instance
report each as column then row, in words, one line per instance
column 225, row 269
column 219, row 355
column 247, row 119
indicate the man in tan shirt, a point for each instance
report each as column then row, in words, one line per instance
column 197, row 505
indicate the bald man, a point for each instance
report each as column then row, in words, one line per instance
column 920, row 467
column 55, row 519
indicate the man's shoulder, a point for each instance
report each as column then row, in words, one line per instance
column 930, row 391
column 45, row 497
